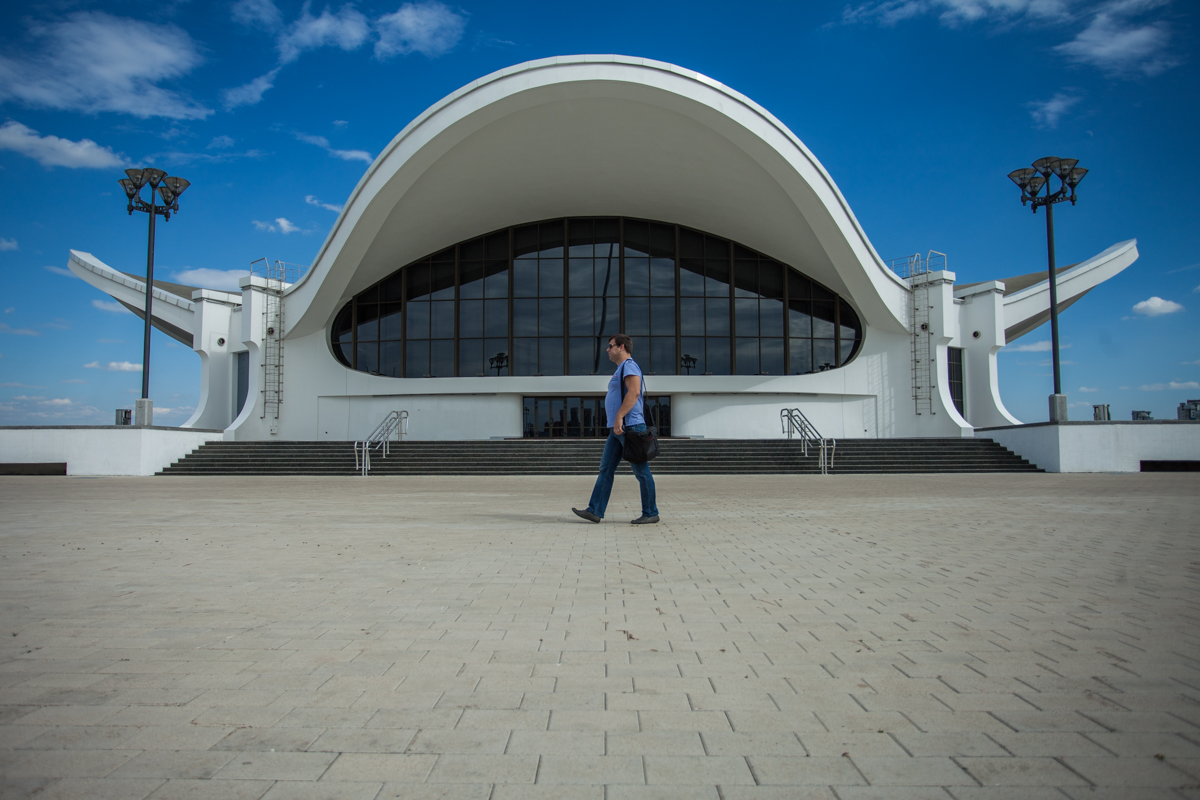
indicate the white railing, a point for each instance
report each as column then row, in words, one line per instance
column 796, row 424
column 396, row 423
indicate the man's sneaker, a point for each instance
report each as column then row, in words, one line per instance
column 589, row 516
column 642, row 520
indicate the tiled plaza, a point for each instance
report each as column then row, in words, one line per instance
column 959, row 638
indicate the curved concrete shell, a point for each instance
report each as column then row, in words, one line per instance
column 605, row 136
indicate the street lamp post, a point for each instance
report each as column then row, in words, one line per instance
column 169, row 188
column 1031, row 181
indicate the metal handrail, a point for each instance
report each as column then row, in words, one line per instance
column 381, row 438
column 796, row 424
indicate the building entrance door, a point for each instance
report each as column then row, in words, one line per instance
column 583, row 417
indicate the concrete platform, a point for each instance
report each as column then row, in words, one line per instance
column 951, row 637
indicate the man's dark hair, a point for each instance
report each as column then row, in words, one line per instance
column 621, row 340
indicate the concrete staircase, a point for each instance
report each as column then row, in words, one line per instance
column 582, row 457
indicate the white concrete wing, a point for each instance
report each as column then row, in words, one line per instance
column 171, row 314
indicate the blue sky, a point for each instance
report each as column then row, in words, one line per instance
column 273, row 110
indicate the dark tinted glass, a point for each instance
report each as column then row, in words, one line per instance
column 662, row 240
column 691, row 316
column 525, row 275
column 525, row 240
column 716, row 317
column 823, row 357
column 472, row 250
column 344, row 352
column 497, row 246
column 747, row 356
column 550, row 356
column 770, row 279
column 368, row 357
column 800, row 318
column 582, row 355
column 771, row 356
column 823, row 321
column 607, row 281
column 495, row 284
column 580, row 282
column 470, row 319
column 471, row 279
column 717, row 355
column 368, row 321
column 662, row 316
column 370, row 295
column 550, row 277
column 495, row 318
column 389, row 321
column 525, row 317
column 662, row 355
column 747, row 317
column 417, row 324
column 716, row 283
column 637, row 316
column 770, row 318
column 470, row 357
column 392, row 289
column 441, row 356
column 662, row 277
column 849, row 325
column 637, row 277
column 417, row 359
column 418, row 281
column 390, row 355
column 637, row 238
column 524, row 360
column 550, row 317
column 495, row 352
column 693, row 348
column 343, row 330
column 691, row 278
column 801, row 356
column 745, row 278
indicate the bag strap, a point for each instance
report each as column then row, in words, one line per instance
column 622, row 380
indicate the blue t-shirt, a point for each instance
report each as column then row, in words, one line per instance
column 612, row 401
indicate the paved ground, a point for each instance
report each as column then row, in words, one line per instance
column 970, row 637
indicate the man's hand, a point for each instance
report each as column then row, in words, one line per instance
column 618, row 428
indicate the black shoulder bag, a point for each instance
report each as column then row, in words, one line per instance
column 640, row 447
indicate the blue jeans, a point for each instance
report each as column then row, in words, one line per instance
column 608, row 468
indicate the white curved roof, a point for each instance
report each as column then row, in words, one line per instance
column 605, row 136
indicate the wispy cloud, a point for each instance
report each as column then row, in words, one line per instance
column 91, row 61
column 58, row 324
column 5, row 328
column 221, row 142
column 1156, row 307
column 346, row 28
column 111, row 306
column 1116, row 36
column 1169, row 386
column 11, row 385
column 345, row 155
column 224, row 280
column 1034, row 347
column 248, row 94
column 430, row 29
column 280, row 225
column 312, row 201
column 1087, row 389
column 257, row 13
column 73, row 380
column 115, row 366
column 51, row 151
column 60, row 271
column 1047, row 113
column 8, row 244
column 1116, row 42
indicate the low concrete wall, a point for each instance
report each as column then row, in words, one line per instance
column 101, row 450
column 1099, row 446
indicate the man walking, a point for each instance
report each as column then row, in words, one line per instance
column 623, row 403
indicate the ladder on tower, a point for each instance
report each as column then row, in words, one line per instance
column 278, row 276
column 915, row 270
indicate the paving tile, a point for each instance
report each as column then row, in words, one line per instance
column 1131, row 772
column 766, row 743
column 269, row 739
column 459, row 741
column 484, row 769
column 276, row 766
column 365, row 740
column 65, row 763
column 697, row 770
column 99, row 789
column 211, row 790
column 662, row 743
column 322, row 790
column 590, row 770
column 781, row 770
column 1020, row 772
column 922, row 771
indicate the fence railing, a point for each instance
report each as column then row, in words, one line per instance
column 395, row 423
column 795, row 424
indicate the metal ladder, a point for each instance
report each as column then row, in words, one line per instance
column 396, row 422
column 915, row 269
column 272, row 347
column 796, row 424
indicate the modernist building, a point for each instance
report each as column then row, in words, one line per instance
column 483, row 260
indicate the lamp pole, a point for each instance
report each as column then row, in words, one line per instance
column 1031, row 181
column 169, row 188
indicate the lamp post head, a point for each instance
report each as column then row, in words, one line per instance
column 137, row 177
column 1046, row 165
column 154, row 176
column 178, row 185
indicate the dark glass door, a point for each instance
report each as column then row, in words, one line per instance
column 583, row 417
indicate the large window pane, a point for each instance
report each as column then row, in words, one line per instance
column 823, row 320
column 662, row 277
column 496, row 282
column 441, row 320
column 745, row 278
column 800, row 351
column 662, row 316
column 368, row 321
column 470, row 358
column 691, row 278
column 637, row 276
column 441, row 357
column 524, row 360
column 637, row 316
column 798, row 287
column 747, row 317
column 823, row 356
column 495, row 318
column 662, row 355
column 691, row 316
column 608, row 316
column 581, row 275
column 470, row 319
column 693, row 348
column 849, row 325
column 607, row 278
column 771, row 358
column 717, row 355
column 637, row 238
column 550, row 317
column 770, row 318
column 368, row 357
column 799, row 318
column 525, row 274
column 550, row 356
column 418, row 280
column 716, row 317
column 471, row 277
column 417, row 324
column 525, row 317
column 550, row 280
column 443, row 280
column 574, row 417
column 390, row 354
column 417, row 359
column 389, row 321
column 529, row 416
column 847, row 350
column 391, row 290
column 343, row 324
column 582, row 355
column 582, row 320
column 747, row 356
column 495, row 352
column 716, row 282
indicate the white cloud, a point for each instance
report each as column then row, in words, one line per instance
column 115, row 366
column 8, row 244
column 224, row 280
column 58, row 324
column 345, row 155
column 281, row 225
column 312, row 201
column 1172, row 385
column 1156, row 307
column 61, row 271
column 1194, row 291
column 429, row 28
column 954, row 13
column 1047, row 113
column 264, row 226
column 220, row 143
column 1086, row 389
column 51, row 151
column 73, row 380
column 1115, row 44
column 248, row 94
column 27, row 399
column 257, row 13
column 340, row 123
column 11, row 385
column 110, row 305
column 55, row 401
column 1034, row 347
column 4, row 328
column 346, row 29
column 91, row 61
column 285, row 226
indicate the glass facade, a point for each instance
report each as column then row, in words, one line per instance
column 543, row 298
column 584, row 417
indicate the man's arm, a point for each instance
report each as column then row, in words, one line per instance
column 633, row 388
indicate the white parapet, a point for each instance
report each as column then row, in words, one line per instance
column 1099, row 446
column 101, row 450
